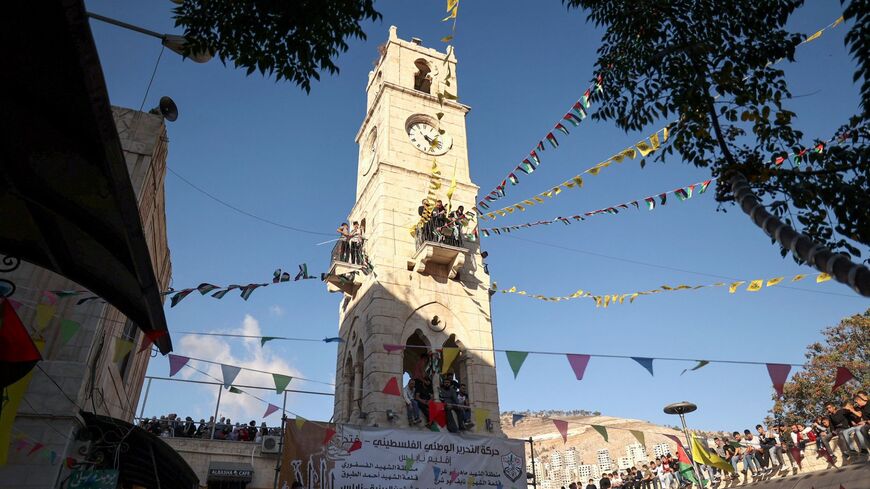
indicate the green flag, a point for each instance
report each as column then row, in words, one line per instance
column 68, row 329
column 639, row 435
column 233, row 390
column 685, row 465
column 264, row 339
column 516, row 359
column 281, row 382
column 601, row 431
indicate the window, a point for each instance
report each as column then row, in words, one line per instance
column 423, row 77
column 130, row 332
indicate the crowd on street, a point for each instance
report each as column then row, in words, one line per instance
column 172, row 426
column 762, row 454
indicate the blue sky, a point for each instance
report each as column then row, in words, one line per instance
column 289, row 156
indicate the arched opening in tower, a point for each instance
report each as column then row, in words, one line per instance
column 423, row 77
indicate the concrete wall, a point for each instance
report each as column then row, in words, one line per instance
column 200, row 453
column 46, row 415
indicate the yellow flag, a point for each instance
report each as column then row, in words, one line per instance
column 469, row 481
column 451, row 4
column 815, row 36
column 520, row 208
column 683, row 287
column 44, row 313
column 509, row 209
column 557, row 190
column 452, row 187
column 593, row 171
column 618, row 158
column 548, row 193
column 122, row 348
column 501, row 213
column 644, row 148
column 755, row 285
column 449, row 354
column 838, row 21
column 633, row 297
column 451, row 16
column 665, row 133
column 435, row 184
column 529, row 202
column 823, row 277
column 774, row 281
column 521, row 292
column 733, row 287
column 512, row 289
column 539, row 200
column 798, row 277
column 300, row 421
column 491, row 215
column 606, row 300
column 629, row 152
column 654, row 141
column 568, row 184
column 578, row 181
column 704, row 456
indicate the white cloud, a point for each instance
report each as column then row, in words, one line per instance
column 276, row 310
column 238, row 407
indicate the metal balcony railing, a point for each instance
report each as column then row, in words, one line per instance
column 347, row 252
column 440, row 233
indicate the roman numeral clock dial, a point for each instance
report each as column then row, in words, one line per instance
column 425, row 138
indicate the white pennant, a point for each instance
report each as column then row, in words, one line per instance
column 230, row 372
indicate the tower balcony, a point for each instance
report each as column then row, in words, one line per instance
column 437, row 253
column 346, row 269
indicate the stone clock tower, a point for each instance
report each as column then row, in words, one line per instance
column 423, row 293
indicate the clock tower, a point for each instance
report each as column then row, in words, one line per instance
column 422, row 291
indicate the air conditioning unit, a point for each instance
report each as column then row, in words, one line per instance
column 270, row 444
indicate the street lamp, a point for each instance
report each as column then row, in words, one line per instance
column 172, row 42
column 682, row 408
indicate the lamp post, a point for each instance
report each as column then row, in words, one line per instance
column 172, row 42
column 681, row 409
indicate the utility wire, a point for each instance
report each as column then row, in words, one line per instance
column 244, row 212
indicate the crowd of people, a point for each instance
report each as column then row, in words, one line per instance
column 443, row 225
column 763, row 454
column 172, row 426
column 419, row 391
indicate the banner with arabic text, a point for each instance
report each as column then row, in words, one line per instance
column 351, row 457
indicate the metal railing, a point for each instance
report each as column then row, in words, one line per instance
column 348, row 252
column 439, row 231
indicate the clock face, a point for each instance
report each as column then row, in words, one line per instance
column 426, row 138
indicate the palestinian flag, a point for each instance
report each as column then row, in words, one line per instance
column 778, row 160
column 178, row 297
column 685, row 465
column 540, row 146
column 681, row 193
column 573, row 119
column 635, row 204
column 704, row 186
column 205, row 288
column 586, row 97
column 535, row 157
column 485, row 233
column 483, row 204
column 820, row 147
column 562, row 128
column 599, row 84
column 513, row 178
column 303, row 273
column 650, row 202
column 578, row 108
column 221, row 293
column 18, row 354
column 249, row 289
column 552, row 140
column 664, row 198
column 437, row 414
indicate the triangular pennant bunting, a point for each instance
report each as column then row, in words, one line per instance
column 562, row 426
column 281, row 382
column 122, row 348
column 44, row 313
column 271, row 408
column 639, row 436
column 601, row 431
column 646, row 363
column 68, row 329
column 843, row 376
column 578, row 364
column 701, row 363
column 229, row 372
column 449, row 354
column 516, row 359
column 266, row 339
column 778, row 375
column 392, row 387
column 176, row 363
column 515, row 418
column 328, row 436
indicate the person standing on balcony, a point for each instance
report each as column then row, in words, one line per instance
column 356, row 241
column 343, row 237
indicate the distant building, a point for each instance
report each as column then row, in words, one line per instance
column 661, row 449
column 624, row 463
column 587, row 472
column 636, row 453
column 605, row 463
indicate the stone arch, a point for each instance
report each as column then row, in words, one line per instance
column 423, row 77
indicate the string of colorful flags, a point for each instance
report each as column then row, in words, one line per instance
column 574, row 116
column 643, row 148
column 683, row 193
column 530, row 163
column 610, row 299
column 230, row 372
column 22, row 442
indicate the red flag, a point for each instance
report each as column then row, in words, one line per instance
column 355, row 446
column 578, row 364
column 18, row 354
column 150, row 337
column 329, row 434
column 392, row 387
column 778, row 374
column 437, row 413
column 36, row 447
column 562, row 426
column 843, row 376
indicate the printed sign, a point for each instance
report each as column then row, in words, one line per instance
column 376, row 458
column 93, row 479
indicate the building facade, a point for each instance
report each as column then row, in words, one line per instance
column 413, row 289
column 605, row 463
column 91, row 358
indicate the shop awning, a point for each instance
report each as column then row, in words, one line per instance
column 144, row 459
column 66, row 201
